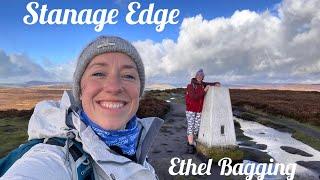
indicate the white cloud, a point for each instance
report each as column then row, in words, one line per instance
column 62, row 72
column 246, row 47
column 19, row 68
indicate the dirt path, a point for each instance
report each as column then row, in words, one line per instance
column 171, row 142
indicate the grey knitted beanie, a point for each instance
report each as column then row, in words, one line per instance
column 101, row 45
column 200, row 73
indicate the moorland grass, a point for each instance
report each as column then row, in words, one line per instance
column 13, row 132
column 313, row 142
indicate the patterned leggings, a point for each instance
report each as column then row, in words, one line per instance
column 193, row 120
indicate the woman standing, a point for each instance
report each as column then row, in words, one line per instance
column 195, row 94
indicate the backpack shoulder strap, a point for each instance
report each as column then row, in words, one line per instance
column 7, row 161
column 83, row 167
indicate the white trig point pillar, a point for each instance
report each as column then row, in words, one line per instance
column 217, row 128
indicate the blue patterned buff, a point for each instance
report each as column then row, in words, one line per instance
column 125, row 139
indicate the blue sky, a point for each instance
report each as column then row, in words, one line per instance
column 19, row 37
column 52, row 48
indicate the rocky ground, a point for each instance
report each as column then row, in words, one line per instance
column 171, row 142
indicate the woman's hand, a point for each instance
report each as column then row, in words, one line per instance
column 206, row 88
column 217, row 84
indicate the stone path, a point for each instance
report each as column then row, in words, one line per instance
column 172, row 142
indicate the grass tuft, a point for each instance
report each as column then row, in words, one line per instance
column 311, row 141
column 217, row 153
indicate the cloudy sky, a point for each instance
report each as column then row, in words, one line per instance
column 235, row 42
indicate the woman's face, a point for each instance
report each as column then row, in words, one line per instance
column 199, row 78
column 110, row 88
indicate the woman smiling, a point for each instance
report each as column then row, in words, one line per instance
column 110, row 87
column 93, row 132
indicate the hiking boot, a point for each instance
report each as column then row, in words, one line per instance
column 191, row 149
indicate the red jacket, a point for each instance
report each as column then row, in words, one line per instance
column 195, row 95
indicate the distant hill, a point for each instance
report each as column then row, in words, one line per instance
column 36, row 84
column 290, row 87
column 159, row 86
column 163, row 86
column 43, row 83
